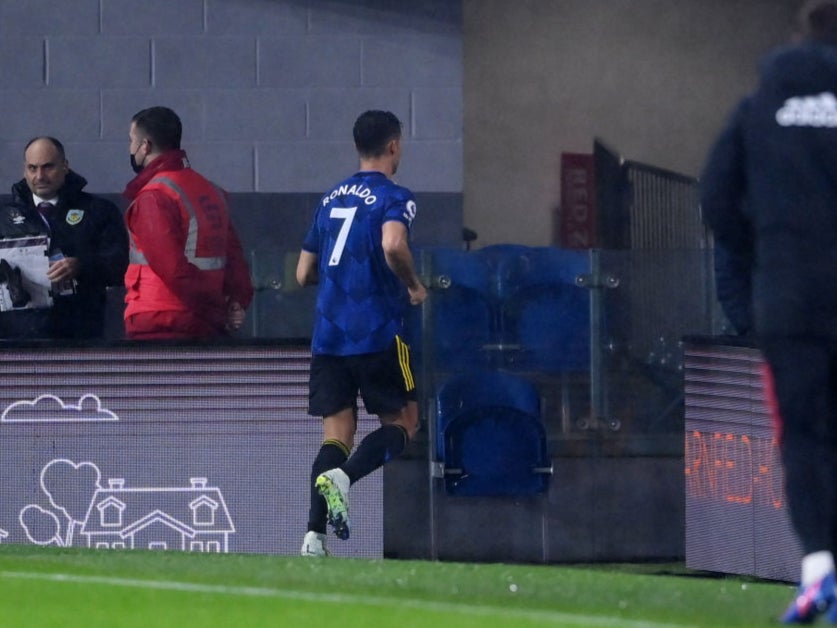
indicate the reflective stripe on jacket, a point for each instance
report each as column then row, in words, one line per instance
column 205, row 222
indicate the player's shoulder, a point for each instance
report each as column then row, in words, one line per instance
column 396, row 192
column 399, row 203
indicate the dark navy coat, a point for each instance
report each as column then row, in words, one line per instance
column 769, row 193
column 95, row 233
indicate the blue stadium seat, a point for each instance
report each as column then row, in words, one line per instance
column 490, row 437
column 496, row 257
column 464, row 315
column 544, row 313
column 500, row 259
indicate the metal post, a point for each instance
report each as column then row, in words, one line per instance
column 596, row 282
column 597, row 409
column 426, row 396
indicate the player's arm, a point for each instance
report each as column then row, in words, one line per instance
column 399, row 258
column 306, row 268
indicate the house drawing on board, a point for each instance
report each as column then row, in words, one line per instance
column 193, row 518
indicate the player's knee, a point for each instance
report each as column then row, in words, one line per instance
column 409, row 419
column 341, row 426
column 406, row 419
column 410, row 429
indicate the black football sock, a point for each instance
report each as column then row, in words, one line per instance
column 378, row 448
column 332, row 454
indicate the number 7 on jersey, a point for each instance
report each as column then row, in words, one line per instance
column 347, row 215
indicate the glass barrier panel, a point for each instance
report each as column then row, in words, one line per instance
column 280, row 308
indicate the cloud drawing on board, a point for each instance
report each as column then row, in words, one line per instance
column 51, row 409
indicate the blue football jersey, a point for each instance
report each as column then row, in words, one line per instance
column 360, row 301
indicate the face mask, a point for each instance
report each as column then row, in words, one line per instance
column 137, row 168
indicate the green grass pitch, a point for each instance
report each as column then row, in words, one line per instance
column 96, row 588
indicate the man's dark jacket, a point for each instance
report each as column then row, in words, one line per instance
column 99, row 240
column 769, row 193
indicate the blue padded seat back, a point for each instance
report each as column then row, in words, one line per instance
column 498, row 258
column 544, row 312
column 464, row 315
column 489, row 425
column 497, row 449
column 462, row 394
column 540, row 265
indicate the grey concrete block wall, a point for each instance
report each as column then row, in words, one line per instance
column 153, row 17
column 331, row 61
column 267, row 89
column 96, row 63
column 257, row 17
column 228, row 62
column 49, row 17
column 69, row 114
column 21, row 61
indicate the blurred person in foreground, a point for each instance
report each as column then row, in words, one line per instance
column 87, row 246
column 769, row 193
column 358, row 251
column 187, row 276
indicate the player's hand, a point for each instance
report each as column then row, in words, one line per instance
column 418, row 294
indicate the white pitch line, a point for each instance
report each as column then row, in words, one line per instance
column 562, row 619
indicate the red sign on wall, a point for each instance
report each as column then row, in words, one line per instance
column 577, row 225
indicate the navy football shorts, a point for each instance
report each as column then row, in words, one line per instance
column 383, row 379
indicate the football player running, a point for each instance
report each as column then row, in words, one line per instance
column 357, row 251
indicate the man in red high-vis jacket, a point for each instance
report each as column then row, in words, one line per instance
column 187, row 276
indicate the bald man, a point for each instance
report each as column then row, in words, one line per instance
column 87, row 246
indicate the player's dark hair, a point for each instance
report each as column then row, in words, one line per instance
column 373, row 130
column 58, row 145
column 818, row 20
column 161, row 125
